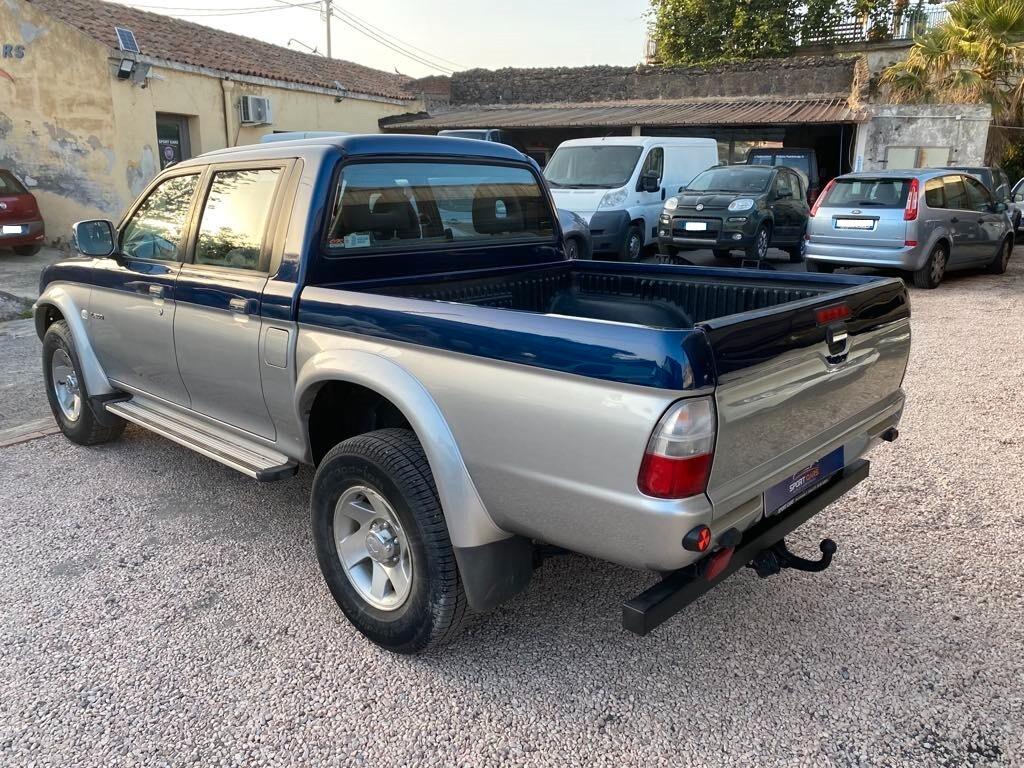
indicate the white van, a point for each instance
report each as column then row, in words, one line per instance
column 618, row 184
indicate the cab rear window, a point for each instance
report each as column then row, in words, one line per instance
column 868, row 193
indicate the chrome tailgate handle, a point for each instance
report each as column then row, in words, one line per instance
column 838, row 340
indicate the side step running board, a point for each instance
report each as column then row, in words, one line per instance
column 249, row 460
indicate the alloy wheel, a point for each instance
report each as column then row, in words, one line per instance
column 65, row 385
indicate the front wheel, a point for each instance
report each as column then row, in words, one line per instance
column 382, row 542
column 633, row 245
column 998, row 265
column 65, row 389
column 572, row 248
column 931, row 274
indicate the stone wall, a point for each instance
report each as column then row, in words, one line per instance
column 963, row 128
column 776, row 78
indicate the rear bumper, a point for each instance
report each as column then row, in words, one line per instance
column 680, row 588
column 33, row 232
column 906, row 258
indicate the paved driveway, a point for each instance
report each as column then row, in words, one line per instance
column 160, row 609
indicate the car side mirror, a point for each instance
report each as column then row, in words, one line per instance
column 649, row 181
column 94, row 237
column 1019, row 197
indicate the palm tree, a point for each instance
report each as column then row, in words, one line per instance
column 975, row 56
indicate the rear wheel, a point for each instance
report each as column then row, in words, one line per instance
column 818, row 266
column 758, row 248
column 931, row 274
column 65, row 389
column 28, row 250
column 633, row 245
column 998, row 265
column 382, row 541
column 797, row 252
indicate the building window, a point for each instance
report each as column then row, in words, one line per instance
column 172, row 139
column 917, row 157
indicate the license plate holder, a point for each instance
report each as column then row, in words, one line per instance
column 789, row 491
column 695, row 226
column 864, row 224
column 11, row 229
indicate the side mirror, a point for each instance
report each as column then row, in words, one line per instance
column 94, row 237
column 649, row 181
column 1019, row 197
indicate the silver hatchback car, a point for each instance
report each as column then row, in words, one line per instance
column 924, row 221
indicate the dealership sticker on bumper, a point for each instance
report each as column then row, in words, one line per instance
column 782, row 496
column 9, row 229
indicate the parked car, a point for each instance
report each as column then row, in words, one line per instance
column 21, row 224
column 1017, row 203
column 924, row 221
column 466, row 397
column 576, row 235
column 618, row 184
column 748, row 207
column 998, row 183
column 798, row 158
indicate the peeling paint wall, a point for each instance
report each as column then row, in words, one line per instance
column 963, row 128
column 86, row 142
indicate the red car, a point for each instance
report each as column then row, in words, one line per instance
column 21, row 224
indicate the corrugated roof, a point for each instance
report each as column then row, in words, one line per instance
column 164, row 37
column 646, row 113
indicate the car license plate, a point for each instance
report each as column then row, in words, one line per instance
column 696, row 226
column 855, row 224
column 9, row 229
column 785, row 494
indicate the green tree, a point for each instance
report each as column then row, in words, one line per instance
column 975, row 56
column 704, row 32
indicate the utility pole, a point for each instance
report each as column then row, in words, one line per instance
column 327, row 11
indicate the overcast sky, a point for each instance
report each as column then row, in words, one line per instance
column 456, row 34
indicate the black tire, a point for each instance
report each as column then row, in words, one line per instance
column 758, row 248
column 572, row 248
column 934, row 269
column 633, row 244
column 796, row 253
column 28, row 250
column 86, row 428
column 817, row 266
column 392, row 463
column 998, row 265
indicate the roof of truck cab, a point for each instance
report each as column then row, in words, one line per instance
column 366, row 145
column 641, row 141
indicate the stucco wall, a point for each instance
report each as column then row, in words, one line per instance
column 86, row 143
column 962, row 127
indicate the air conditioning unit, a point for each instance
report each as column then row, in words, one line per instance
column 256, row 110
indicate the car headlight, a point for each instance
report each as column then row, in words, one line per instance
column 672, row 203
column 612, row 199
column 743, row 204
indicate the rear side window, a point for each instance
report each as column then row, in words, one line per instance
column 956, row 193
column 933, row 194
column 234, row 218
column 10, row 185
column 978, row 196
column 411, row 205
column 868, row 193
column 155, row 230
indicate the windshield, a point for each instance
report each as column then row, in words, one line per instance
column 603, row 166
column 862, row 193
column 10, row 185
column 732, row 179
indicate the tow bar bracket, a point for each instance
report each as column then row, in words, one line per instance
column 771, row 561
column 678, row 589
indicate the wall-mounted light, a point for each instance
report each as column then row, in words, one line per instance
column 342, row 91
column 125, row 69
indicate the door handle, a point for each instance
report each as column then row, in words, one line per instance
column 239, row 305
column 156, row 291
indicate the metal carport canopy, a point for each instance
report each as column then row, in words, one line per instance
column 703, row 112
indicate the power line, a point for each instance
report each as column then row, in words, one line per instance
column 399, row 41
column 191, row 10
column 392, row 46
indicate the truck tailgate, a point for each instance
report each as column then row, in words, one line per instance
column 791, row 388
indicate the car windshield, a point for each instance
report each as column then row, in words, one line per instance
column 862, row 193
column 738, row 179
column 603, row 166
column 10, row 185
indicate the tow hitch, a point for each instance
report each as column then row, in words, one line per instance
column 762, row 546
column 771, row 561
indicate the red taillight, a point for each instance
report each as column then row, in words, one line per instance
column 821, row 197
column 677, row 461
column 833, row 314
column 910, row 212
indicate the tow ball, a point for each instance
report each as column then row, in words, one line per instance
column 772, row 560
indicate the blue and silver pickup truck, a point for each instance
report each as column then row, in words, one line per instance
column 472, row 399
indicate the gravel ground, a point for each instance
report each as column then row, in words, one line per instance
column 163, row 610
column 22, row 396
